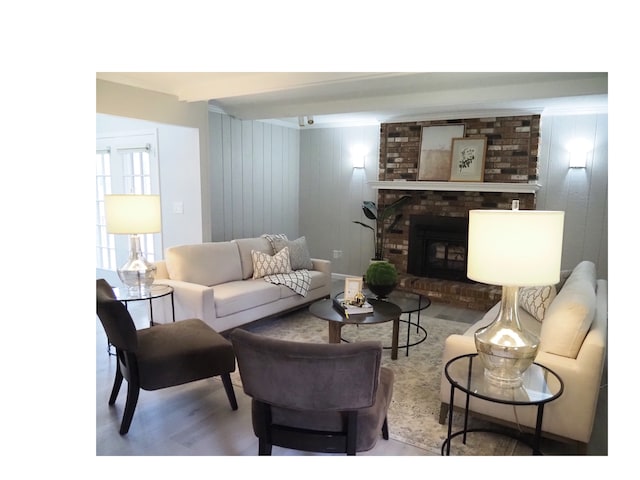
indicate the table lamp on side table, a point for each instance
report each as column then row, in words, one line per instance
column 134, row 215
column 512, row 248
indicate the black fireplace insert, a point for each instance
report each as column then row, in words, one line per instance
column 438, row 247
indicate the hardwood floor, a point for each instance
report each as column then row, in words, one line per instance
column 196, row 419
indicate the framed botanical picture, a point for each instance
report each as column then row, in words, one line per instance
column 352, row 286
column 467, row 159
column 435, row 151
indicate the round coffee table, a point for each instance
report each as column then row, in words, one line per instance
column 382, row 312
column 409, row 303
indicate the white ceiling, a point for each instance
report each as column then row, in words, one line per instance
column 376, row 97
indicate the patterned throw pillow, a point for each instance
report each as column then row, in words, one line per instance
column 298, row 252
column 536, row 300
column 272, row 237
column 265, row 264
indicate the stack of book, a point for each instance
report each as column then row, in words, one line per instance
column 347, row 309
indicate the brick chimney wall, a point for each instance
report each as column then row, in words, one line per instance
column 511, row 157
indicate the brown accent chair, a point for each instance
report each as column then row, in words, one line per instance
column 330, row 398
column 163, row 355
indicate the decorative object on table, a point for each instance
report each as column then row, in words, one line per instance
column 352, row 287
column 386, row 217
column 358, row 300
column 381, row 278
column 467, row 159
column 512, row 248
column 435, row 151
column 347, row 308
column 134, row 215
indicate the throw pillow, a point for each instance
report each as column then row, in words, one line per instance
column 298, row 252
column 569, row 317
column 265, row 264
column 536, row 300
column 272, row 237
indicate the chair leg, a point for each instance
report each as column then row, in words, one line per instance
column 228, row 387
column 117, row 382
column 385, row 429
column 132, row 400
column 264, row 447
column 352, row 431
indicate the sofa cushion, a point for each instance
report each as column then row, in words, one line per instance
column 536, row 300
column 298, row 252
column 569, row 317
column 265, row 264
column 245, row 245
column 234, row 297
column 209, row 263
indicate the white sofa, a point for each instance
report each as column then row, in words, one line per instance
column 573, row 342
column 214, row 281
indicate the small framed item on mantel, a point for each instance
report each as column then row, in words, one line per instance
column 352, row 286
column 467, row 159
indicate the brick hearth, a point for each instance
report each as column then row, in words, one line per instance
column 511, row 157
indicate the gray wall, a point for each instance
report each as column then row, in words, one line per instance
column 332, row 192
column 254, row 178
column 581, row 193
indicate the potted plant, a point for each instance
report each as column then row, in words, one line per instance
column 386, row 218
column 381, row 278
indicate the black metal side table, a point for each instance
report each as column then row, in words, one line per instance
column 411, row 303
column 466, row 373
column 157, row 291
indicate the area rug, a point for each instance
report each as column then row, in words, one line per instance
column 413, row 414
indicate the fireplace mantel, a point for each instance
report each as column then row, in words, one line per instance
column 456, row 186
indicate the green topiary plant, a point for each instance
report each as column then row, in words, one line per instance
column 381, row 273
column 381, row 278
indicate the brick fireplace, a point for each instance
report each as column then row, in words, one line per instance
column 511, row 158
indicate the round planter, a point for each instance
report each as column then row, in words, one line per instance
column 381, row 291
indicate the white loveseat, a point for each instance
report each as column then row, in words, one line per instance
column 214, row 281
column 573, row 342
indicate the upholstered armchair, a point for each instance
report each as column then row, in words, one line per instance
column 163, row 355
column 330, row 398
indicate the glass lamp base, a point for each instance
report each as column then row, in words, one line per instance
column 137, row 274
column 504, row 347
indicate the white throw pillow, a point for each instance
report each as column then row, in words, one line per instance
column 265, row 264
column 536, row 300
column 569, row 317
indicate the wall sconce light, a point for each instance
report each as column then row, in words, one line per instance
column 358, row 156
column 578, row 160
column 358, row 161
column 578, row 150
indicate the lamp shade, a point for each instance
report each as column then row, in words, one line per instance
column 515, row 247
column 132, row 214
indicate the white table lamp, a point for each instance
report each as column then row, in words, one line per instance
column 512, row 248
column 134, row 215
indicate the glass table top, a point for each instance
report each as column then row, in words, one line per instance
column 539, row 384
column 158, row 290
